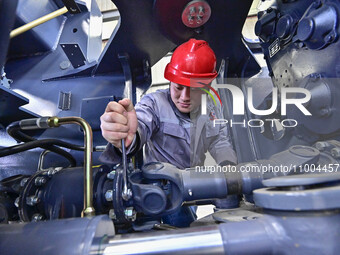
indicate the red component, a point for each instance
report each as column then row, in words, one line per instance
column 192, row 64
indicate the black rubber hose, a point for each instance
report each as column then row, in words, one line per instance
column 45, row 143
column 14, row 131
column 29, row 145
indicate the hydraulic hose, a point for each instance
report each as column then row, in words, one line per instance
column 15, row 130
column 35, row 144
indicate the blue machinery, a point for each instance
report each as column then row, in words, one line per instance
column 53, row 177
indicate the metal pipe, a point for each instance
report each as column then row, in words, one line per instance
column 37, row 22
column 88, row 148
column 200, row 240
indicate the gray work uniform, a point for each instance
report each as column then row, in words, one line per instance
column 173, row 137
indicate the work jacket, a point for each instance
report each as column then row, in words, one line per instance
column 177, row 138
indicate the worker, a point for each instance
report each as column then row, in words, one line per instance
column 169, row 122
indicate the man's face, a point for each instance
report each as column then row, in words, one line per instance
column 185, row 98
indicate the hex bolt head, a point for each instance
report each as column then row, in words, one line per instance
column 192, row 11
column 112, row 214
column 191, row 19
column 130, row 213
column 23, row 182
column 109, row 195
column 199, row 19
column 336, row 153
column 111, row 175
column 37, row 217
column 190, row 192
column 201, row 11
column 40, row 181
column 32, row 200
column 321, row 146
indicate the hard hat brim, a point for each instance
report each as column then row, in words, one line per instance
column 199, row 80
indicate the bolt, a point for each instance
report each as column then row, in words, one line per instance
column 190, row 192
column 336, row 153
column 112, row 214
column 329, row 38
column 321, row 146
column 128, row 195
column 32, row 200
column 201, row 11
column 37, row 217
column 198, row 19
column 111, row 175
column 301, row 44
column 130, row 213
column 64, row 65
column 23, row 182
column 109, row 195
column 40, row 181
column 192, row 11
column 52, row 171
column 191, row 20
column 314, row 76
column 16, row 202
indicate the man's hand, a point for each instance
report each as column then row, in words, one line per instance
column 119, row 121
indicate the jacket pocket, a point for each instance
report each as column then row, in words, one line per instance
column 174, row 139
column 173, row 130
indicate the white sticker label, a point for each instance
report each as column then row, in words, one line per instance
column 274, row 48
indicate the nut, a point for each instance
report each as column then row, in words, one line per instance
column 32, row 200
column 37, row 217
column 321, row 146
column 40, row 181
column 130, row 214
column 109, row 195
column 112, row 214
column 111, row 175
column 335, row 153
column 23, row 182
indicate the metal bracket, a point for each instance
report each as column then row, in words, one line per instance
column 71, row 6
column 4, row 81
column 74, row 54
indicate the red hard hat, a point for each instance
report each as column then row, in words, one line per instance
column 192, row 64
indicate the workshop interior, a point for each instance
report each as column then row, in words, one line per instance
column 58, row 73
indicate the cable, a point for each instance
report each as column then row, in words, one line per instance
column 14, row 131
column 45, row 143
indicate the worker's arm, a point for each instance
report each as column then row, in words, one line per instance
column 118, row 122
column 122, row 121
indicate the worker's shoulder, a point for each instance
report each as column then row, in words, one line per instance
column 158, row 97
